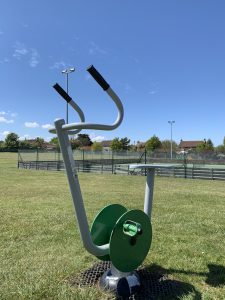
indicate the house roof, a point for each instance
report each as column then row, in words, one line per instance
column 106, row 143
column 189, row 144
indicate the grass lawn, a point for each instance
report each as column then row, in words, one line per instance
column 40, row 247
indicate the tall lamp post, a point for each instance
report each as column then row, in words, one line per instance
column 171, row 138
column 67, row 72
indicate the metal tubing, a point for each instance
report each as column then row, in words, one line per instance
column 149, row 192
column 94, row 126
column 80, row 113
column 75, row 190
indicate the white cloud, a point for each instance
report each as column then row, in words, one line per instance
column 31, row 124
column 98, row 138
column 95, row 49
column 19, row 50
column 4, row 120
column 58, row 65
column 2, row 113
column 5, row 133
column 24, row 137
column 5, row 60
column 48, row 138
column 152, row 92
column 34, row 59
column 87, row 76
column 13, row 115
column 46, row 126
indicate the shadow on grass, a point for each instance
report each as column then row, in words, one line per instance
column 214, row 277
column 156, row 285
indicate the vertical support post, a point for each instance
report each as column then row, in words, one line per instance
column 58, row 162
column 145, row 160
column 112, row 161
column 18, row 157
column 83, row 158
column 37, row 159
column 75, row 190
column 149, row 191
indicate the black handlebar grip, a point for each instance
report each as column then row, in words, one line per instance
column 98, row 77
column 62, row 93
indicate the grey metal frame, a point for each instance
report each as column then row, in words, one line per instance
column 63, row 130
column 149, row 188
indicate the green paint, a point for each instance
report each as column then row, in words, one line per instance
column 132, row 228
column 128, row 250
column 104, row 223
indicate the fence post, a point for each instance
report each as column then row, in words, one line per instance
column 58, row 162
column 185, row 168
column 212, row 174
column 83, row 158
column 18, row 157
column 112, row 161
column 145, row 161
column 37, row 158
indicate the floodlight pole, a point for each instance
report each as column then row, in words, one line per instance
column 171, row 138
column 67, row 72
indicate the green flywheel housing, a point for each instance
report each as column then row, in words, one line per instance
column 104, row 223
column 130, row 240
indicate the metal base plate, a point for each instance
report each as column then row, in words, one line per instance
column 155, row 282
column 122, row 284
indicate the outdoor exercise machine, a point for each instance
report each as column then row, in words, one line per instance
column 117, row 234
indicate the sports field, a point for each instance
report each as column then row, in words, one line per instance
column 40, row 246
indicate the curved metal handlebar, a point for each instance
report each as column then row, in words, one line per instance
column 70, row 101
column 83, row 125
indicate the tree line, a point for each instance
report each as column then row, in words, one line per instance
column 82, row 141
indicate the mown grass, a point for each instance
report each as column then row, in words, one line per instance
column 40, row 247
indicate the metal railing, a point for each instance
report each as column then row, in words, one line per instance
column 118, row 163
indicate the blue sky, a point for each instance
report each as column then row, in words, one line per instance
column 164, row 58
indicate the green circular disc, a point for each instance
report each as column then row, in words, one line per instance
column 104, row 223
column 128, row 252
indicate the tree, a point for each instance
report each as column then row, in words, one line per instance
column 39, row 142
column 205, row 146
column 12, row 141
column 210, row 145
column 54, row 141
column 120, row 144
column 220, row 149
column 97, row 146
column 125, row 143
column 75, row 144
column 84, row 140
column 153, row 143
column 116, row 144
column 166, row 145
column 2, row 144
column 24, row 144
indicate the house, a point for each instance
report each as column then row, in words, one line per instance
column 106, row 145
column 189, row 145
column 140, row 146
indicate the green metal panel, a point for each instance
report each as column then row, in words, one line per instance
column 129, row 249
column 104, row 223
